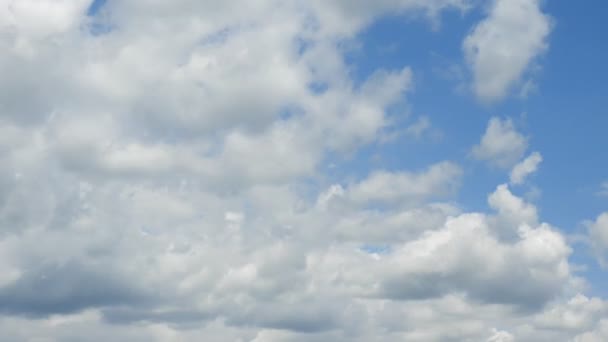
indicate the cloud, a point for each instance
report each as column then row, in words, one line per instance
column 32, row 19
column 344, row 17
column 448, row 258
column 382, row 186
column 598, row 233
column 525, row 168
column 164, row 179
column 419, row 127
column 578, row 313
column 501, row 145
column 600, row 333
column 65, row 289
column 501, row 336
column 603, row 189
column 500, row 49
column 513, row 213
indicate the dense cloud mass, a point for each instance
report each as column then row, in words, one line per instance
column 166, row 177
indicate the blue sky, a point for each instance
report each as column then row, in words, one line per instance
column 314, row 171
column 565, row 116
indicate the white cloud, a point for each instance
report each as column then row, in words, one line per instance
column 345, row 16
column 501, row 336
column 382, row 186
column 525, row 168
column 599, row 334
column 514, row 214
column 162, row 180
column 41, row 18
column 501, row 145
column 578, row 313
column 598, row 233
column 502, row 46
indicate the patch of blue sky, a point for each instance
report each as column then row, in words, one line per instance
column 95, row 7
column 568, row 116
column 565, row 117
column 97, row 28
column 318, row 88
column 98, row 24
column 565, row 120
column 389, row 43
column 376, row 249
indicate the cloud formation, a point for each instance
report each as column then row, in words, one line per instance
column 165, row 179
column 598, row 233
column 501, row 48
column 501, row 145
column 526, row 167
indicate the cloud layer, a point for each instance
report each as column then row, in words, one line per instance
column 165, row 179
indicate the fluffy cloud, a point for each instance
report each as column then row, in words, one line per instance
column 525, row 168
column 382, row 186
column 502, row 46
column 600, row 333
column 578, row 313
column 501, row 145
column 39, row 19
column 598, row 233
column 164, row 179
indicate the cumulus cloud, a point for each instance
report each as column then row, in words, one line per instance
column 526, row 167
column 39, row 19
column 598, row 233
column 501, row 145
column 383, row 186
column 502, row 46
column 600, row 333
column 163, row 180
column 578, row 313
column 512, row 213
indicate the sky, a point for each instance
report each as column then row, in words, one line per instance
column 271, row 170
